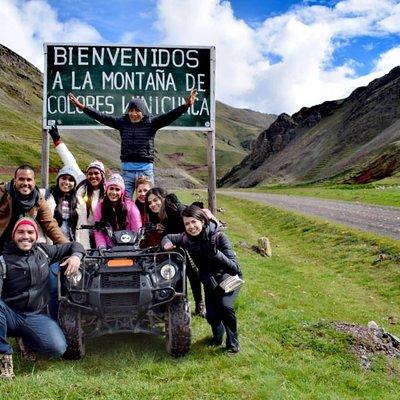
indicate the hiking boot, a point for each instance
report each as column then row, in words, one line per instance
column 26, row 353
column 200, row 309
column 6, row 366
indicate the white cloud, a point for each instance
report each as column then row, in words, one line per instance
column 303, row 42
column 387, row 61
column 26, row 25
column 212, row 23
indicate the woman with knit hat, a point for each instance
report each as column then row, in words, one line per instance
column 90, row 185
column 117, row 210
column 67, row 210
column 65, row 205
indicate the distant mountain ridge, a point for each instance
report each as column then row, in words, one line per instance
column 180, row 156
column 356, row 139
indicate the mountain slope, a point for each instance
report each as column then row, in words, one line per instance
column 181, row 156
column 353, row 140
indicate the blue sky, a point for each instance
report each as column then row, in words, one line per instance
column 272, row 56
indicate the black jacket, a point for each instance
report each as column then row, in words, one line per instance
column 137, row 139
column 173, row 210
column 211, row 252
column 25, row 287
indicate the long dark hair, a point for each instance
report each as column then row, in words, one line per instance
column 59, row 196
column 161, row 194
column 88, row 193
column 114, row 213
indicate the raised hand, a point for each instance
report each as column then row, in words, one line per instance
column 192, row 98
column 75, row 101
column 55, row 135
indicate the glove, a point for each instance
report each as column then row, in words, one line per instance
column 54, row 134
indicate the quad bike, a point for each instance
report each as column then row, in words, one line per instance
column 126, row 289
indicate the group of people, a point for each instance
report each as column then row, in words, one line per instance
column 39, row 228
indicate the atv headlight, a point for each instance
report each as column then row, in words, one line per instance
column 167, row 271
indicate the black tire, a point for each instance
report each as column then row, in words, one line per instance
column 178, row 328
column 69, row 319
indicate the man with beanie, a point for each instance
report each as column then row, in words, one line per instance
column 19, row 198
column 24, row 294
column 137, row 131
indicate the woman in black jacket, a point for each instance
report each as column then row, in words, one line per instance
column 165, row 210
column 214, row 258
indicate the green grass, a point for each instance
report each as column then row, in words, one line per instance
column 384, row 193
column 318, row 273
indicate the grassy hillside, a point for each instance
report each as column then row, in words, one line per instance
column 286, row 311
column 384, row 192
column 356, row 139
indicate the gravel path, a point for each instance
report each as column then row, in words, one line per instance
column 384, row 221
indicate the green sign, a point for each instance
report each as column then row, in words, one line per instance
column 107, row 77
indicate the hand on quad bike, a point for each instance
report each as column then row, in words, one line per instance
column 169, row 246
column 72, row 263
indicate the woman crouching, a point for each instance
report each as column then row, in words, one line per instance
column 214, row 257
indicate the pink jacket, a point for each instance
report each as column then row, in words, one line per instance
column 134, row 222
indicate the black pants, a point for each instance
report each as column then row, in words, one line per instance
column 221, row 314
column 195, row 283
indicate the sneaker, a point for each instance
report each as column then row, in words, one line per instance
column 233, row 349
column 6, row 366
column 26, row 353
column 200, row 309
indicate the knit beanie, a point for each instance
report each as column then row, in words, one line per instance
column 25, row 221
column 67, row 170
column 116, row 180
column 138, row 104
column 98, row 165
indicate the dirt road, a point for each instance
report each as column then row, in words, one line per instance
column 384, row 221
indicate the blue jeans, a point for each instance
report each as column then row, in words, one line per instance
column 53, row 290
column 38, row 332
column 130, row 177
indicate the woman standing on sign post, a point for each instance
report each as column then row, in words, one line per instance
column 137, row 131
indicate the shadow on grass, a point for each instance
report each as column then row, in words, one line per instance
column 108, row 352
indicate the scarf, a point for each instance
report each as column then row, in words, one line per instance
column 22, row 203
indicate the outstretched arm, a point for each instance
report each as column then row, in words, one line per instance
column 103, row 118
column 66, row 156
column 169, row 117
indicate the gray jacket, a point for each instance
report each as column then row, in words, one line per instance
column 24, row 284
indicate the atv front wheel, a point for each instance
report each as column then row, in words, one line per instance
column 69, row 319
column 178, row 328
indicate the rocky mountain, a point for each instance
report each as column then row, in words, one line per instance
column 356, row 139
column 181, row 156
